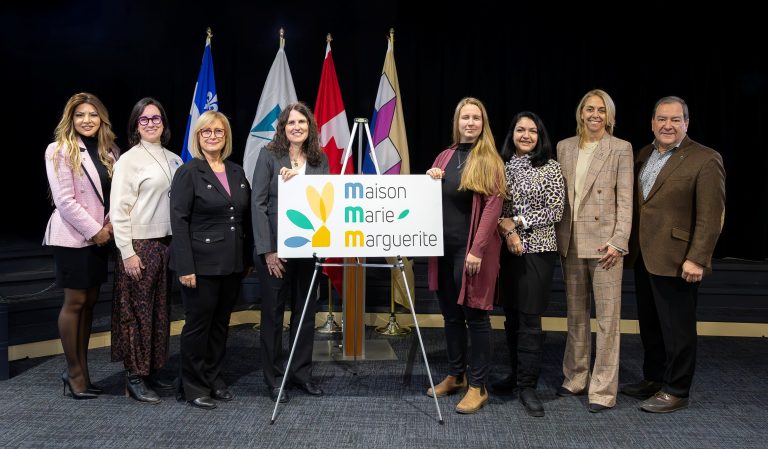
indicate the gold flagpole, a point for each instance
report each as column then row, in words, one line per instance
column 330, row 326
column 392, row 328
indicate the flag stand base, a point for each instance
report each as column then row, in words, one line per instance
column 393, row 328
column 330, row 326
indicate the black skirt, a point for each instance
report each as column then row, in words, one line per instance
column 525, row 282
column 81, row 268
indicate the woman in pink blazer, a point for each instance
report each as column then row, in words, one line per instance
column 473, row 186
column 79, row 166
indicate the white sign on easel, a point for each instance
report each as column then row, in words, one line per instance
column 360, row 216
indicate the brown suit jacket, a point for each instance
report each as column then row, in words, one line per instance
column 683, row 214
column 605, row 212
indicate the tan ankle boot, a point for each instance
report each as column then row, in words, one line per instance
column 449, row 385
column 473, row 401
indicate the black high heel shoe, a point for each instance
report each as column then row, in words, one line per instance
column 91, row 388
column 75, row 395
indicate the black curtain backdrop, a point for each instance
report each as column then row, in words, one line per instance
column 512, row 56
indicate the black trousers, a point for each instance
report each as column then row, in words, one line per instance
column 207, row 310
column 525, row 340
column 458, row 318
column 275, row 294
column 525, row 288
column 666, row 307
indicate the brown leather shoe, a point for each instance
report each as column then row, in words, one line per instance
column 663, row 402
column 642, row 390
column 449, row 385
column 473, row 401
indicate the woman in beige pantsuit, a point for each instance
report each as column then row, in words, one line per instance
column 592, row 240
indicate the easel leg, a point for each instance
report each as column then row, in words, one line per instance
column 318, row 268
column 418, row 334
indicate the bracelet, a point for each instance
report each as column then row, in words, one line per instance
column 508, row 233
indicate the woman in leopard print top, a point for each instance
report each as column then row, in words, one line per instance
column 537, row 195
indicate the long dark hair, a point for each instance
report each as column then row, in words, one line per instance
column 311, row 147
column 133, row 121
column 541, row 153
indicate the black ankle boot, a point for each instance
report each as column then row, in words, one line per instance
column 136, row 388
column 531, row 401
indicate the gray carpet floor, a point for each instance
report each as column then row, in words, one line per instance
column 381, row 404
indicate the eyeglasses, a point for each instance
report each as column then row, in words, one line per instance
column 155, row 119
column 218, row 132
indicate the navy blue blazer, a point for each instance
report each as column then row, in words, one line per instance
column 211, row 228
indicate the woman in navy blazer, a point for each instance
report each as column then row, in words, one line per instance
column 210, row 252
column 79, row 166
column 294, row 151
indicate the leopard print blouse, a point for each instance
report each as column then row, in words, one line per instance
column 537, row 194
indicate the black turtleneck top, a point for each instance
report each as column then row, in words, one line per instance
column 457, row 205
column 92, row 146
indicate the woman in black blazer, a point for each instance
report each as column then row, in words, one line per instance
column 210, row 252
column 294, row 151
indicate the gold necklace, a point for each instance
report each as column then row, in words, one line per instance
column 295, row 160
column 168, row 164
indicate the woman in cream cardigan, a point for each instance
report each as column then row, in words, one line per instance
column 142, row 227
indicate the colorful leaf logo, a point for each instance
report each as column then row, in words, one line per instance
column 321, row 206
column 403, row 214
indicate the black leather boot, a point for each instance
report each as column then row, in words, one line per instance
column 136, row 388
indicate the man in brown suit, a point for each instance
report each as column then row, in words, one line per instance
column 592, row 239
column 680, row 205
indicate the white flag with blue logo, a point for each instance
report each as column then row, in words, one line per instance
column 277, row 94
column 204, row 98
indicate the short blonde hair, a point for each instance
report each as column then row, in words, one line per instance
column 203, row 121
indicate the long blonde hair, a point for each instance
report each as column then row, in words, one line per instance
column 66, row 136
column 610, row 114
column 484, row 172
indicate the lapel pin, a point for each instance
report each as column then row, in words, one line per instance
column 209, row 187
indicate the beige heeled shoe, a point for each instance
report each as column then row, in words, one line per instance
column 449, row 385
column 473, row 401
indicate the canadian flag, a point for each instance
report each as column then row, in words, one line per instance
column 331, row 117
column 334, row 137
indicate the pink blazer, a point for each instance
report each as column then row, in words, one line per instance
column 79, row 214
column 483, row 241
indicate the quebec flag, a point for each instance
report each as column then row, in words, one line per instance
column 277, row 94
column 204, row 98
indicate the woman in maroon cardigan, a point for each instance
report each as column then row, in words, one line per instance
column 473, row 186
